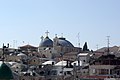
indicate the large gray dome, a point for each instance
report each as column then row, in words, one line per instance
column 46, row 42
column 65, row 43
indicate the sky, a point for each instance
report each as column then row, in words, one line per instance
column 27, row 20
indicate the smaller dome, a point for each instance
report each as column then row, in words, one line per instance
column 5, row 72
column 46, row 42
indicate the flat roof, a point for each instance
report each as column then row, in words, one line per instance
column 83, row 54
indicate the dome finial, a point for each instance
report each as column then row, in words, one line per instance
column 55, row 35
column 47, row 33
column 42, row 38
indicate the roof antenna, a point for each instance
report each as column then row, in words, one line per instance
column 108, row 43
column 78, row 39
column 97, row 46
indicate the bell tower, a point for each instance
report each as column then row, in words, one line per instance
column 55, row 41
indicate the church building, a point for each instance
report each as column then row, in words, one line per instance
column 59, row 46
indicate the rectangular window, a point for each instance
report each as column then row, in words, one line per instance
column 103, row 71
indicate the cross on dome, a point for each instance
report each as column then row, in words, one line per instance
column 56, row 35
column 47, row 33
column 62, row 35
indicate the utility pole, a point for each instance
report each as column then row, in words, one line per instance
column 108, row 50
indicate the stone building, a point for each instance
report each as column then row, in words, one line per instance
column 105, row 65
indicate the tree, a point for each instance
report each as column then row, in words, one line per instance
column 85, row 47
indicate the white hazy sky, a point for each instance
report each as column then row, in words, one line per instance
column 28, row 20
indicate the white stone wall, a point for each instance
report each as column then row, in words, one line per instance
column 94, row 69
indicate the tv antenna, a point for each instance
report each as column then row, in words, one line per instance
column 78, row 39
column 108, row 43
column 97, row 46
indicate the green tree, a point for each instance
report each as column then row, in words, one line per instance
column 85, row 47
